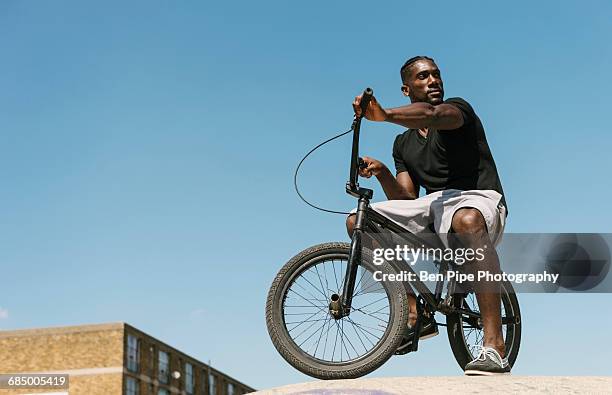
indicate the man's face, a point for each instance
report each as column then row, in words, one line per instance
column 424, row 83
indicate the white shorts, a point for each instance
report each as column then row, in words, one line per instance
column 438, row 209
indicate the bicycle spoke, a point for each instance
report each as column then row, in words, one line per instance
column 363, row 291
column 297, row 313
column 326, row 280
column 334, row 267
column 369, row 286
column 373, row 316
column 320, row 281
column 363, row 272
column 312, row 334
column 325, row 296
column 379, row 311
column 321, row 335
column 335, row 340
column 290, row 323
column 295, row 327
column 348, row 339
column 376, row 301
column 307, row 307
column 357, row 333
column 341, row 341
column 326, row 338
column 369, row 327
column 313, row 297
column 479, row 337
column 366, row 332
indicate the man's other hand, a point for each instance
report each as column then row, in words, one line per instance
column 372, row 167
column 374, row 112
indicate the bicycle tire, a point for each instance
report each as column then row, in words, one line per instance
column 317, row 367
column 512, row 336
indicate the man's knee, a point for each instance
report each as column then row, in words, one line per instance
column 350, row 223
column 468, row 220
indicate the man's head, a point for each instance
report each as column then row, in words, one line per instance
column 421, row 80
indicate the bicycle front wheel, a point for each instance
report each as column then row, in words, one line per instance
column 310, row 338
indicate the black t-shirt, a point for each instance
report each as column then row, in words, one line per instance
column 449, row 159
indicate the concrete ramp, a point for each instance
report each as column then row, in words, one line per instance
column 451, row 385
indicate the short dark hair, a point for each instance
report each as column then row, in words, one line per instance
column 406, row 67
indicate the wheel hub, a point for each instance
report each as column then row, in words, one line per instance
column 335, row 307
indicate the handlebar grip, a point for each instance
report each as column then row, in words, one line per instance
column 365, row 100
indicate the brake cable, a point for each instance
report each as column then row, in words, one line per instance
column 297, row 169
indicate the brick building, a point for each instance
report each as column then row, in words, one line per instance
column 108, row 359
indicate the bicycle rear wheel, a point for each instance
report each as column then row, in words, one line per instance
column 307, row 335
column 465, row 333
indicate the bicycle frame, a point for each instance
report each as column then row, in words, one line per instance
column 372, row 222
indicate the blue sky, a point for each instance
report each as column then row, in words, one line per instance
column 147, row 151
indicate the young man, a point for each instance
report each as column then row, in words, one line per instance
column 445, row 151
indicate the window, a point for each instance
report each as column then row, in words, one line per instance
column 131, row 386
column 151, row 365
column 163, row 368
column 212, row 384
column 189, row 382
column 133, row 354
column 230, row 389
column 163, row 391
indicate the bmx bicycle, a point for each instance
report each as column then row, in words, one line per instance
column 330, row 317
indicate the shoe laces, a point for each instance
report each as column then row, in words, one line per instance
column 490, row 352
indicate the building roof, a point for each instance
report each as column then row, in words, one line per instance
column 57, row 330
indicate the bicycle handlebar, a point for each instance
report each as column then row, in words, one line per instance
column 365, row 100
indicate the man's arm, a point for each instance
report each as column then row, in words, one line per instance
column 401, row 187
column 415, row 115
column 423, row 115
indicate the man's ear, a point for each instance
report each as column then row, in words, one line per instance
column 405, row 90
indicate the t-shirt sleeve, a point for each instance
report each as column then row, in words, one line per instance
column 400, row 166
column 468, row 112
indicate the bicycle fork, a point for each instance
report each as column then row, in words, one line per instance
column 340, row 305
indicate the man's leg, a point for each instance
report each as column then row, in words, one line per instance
column 471, row 228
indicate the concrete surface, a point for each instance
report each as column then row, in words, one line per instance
column 451, row 385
